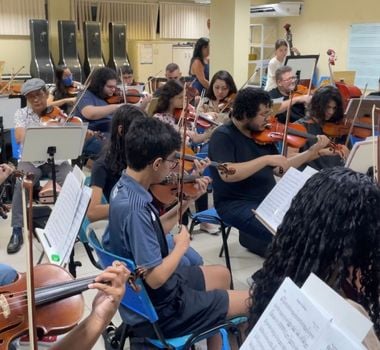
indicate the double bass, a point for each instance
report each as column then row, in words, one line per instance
column 347, row 91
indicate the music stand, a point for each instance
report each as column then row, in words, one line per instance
column 303, row 66
column 361, row 155
column 365, row 108
column 53, row 142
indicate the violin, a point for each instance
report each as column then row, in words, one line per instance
column 167, row 191
column 203, row 121
column 132, row 96
column 225, row 106
column 296, row 137
column 59, row 305
column 362, row 128
column 189, row 158
column 52, row 115
column 73, row 90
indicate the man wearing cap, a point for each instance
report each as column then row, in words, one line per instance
column 36, row 96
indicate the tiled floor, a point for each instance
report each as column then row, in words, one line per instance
column 243, row 262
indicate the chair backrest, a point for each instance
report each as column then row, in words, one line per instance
column 138, row 302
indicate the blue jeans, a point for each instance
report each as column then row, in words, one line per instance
column 191, row 257
column 7, row 274
column 239, row 214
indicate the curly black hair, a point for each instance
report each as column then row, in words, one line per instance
column 148, row 140
column 227, row 78
column 99, row 79
column 247, row 103
column 171, row 89
column 333, row 230
column 320, row 100
column 114, row 152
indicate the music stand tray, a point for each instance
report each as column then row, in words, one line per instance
column 53, row 143
column 361, row 156
column 365, row 108
column 68, row 141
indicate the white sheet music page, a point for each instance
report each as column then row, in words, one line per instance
column 293, row 321
column 273, row 208
column 58, row 236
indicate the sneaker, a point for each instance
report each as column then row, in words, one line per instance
column 43, row 343
column 209, row 228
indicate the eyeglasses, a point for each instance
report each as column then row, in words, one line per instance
column 290, row 79
column 35, row 95
column 173, row 163
column 111, row 87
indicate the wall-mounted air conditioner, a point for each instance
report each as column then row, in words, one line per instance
column 281, row 9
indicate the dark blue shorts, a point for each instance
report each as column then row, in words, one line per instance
column 193, row 308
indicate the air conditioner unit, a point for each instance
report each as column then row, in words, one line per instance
column 282, row 9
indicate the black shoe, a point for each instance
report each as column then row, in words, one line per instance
column 16, row 241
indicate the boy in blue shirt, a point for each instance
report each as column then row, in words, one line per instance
column 187, row 299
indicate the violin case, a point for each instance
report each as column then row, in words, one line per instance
column 92, row 47
column 118, row 55
column 41, row 65
column 68, row 52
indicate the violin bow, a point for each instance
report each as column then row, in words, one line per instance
column 182, row 122
column 27, row 185
column 356, row 116
column 124, row 86
column 13, row 77
column 86, row 85
column 200, row 104
column 284, row 149
column 375, row 160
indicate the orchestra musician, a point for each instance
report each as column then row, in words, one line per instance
column 199, row 64
column 173, row 72
column 108, row 168
column 64, row 93
column 281, row 51
column 36, row 96
column 286, row 83
column 94, row 109
column 104, row 307
column 332, row 230
column 326, row 105
column 136, row 232
column 236, row 195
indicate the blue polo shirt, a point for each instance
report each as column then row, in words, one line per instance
column 135, row 232
column 90, row 99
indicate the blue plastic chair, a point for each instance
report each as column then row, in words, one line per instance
column 139, row 302
column 16, row 148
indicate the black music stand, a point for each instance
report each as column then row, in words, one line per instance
column 303, row 66
column 53, row 143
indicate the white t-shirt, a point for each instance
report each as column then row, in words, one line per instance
column 273, row 65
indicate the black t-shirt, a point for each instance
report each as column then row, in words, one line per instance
column 102, row 176
column 296, row 112
column 228, row 144
column 321, row 162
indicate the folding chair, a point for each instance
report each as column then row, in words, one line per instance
column 139, row 302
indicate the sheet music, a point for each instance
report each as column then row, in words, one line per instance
column 275, row 205
column 58, row 236
column 292, row 321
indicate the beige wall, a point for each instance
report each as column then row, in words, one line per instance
column 325, row 24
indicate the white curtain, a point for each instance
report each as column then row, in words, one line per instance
column 15, row 15
column 140, row 18
column 183, row 21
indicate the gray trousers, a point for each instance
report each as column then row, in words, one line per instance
column 42, row 171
